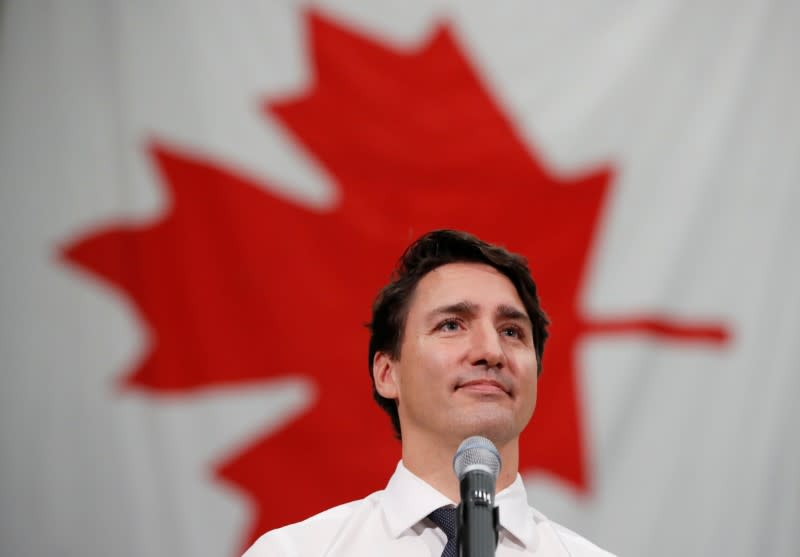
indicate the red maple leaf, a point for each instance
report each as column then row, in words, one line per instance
column 238, row 285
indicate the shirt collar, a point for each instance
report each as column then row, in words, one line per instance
column 516, row 516
column 408, row 499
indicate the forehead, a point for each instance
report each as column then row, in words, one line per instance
column 478, row 283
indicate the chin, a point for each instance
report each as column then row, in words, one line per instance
column 497, row 427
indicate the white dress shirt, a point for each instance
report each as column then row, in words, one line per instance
column 393, row 523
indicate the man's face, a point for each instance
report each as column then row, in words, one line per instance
column 467, row 364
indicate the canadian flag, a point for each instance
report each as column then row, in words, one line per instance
column 200, row 202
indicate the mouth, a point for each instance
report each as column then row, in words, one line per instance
column 484, row 386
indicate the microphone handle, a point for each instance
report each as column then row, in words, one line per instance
column 478, row 518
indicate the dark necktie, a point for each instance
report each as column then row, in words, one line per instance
column 445, row 518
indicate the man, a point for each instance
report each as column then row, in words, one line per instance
column 456, row 350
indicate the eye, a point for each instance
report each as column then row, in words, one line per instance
column 448, row 325
column 513, row 331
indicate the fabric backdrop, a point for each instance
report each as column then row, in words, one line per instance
column 199, row 201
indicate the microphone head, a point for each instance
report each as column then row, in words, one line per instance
column 476, row 453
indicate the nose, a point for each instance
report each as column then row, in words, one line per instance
column 486, row 348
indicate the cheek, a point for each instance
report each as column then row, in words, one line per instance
column 528, row 383
column 446, row 362
column 525, row 363
column 430, row 362
column 436, row 353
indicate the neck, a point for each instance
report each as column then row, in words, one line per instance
column 433, row 463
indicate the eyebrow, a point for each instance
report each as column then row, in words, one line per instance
column 469, row 309
column 510, row 312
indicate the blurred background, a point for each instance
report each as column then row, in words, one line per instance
column 199, row 201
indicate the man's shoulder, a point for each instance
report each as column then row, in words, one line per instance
column 318, row 529
column 575, row 544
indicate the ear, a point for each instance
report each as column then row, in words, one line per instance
column 384, row 372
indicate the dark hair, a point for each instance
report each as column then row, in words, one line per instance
column 434, row 249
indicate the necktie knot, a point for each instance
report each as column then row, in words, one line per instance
column 445, row 518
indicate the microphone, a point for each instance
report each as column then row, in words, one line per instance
column 476, row 465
